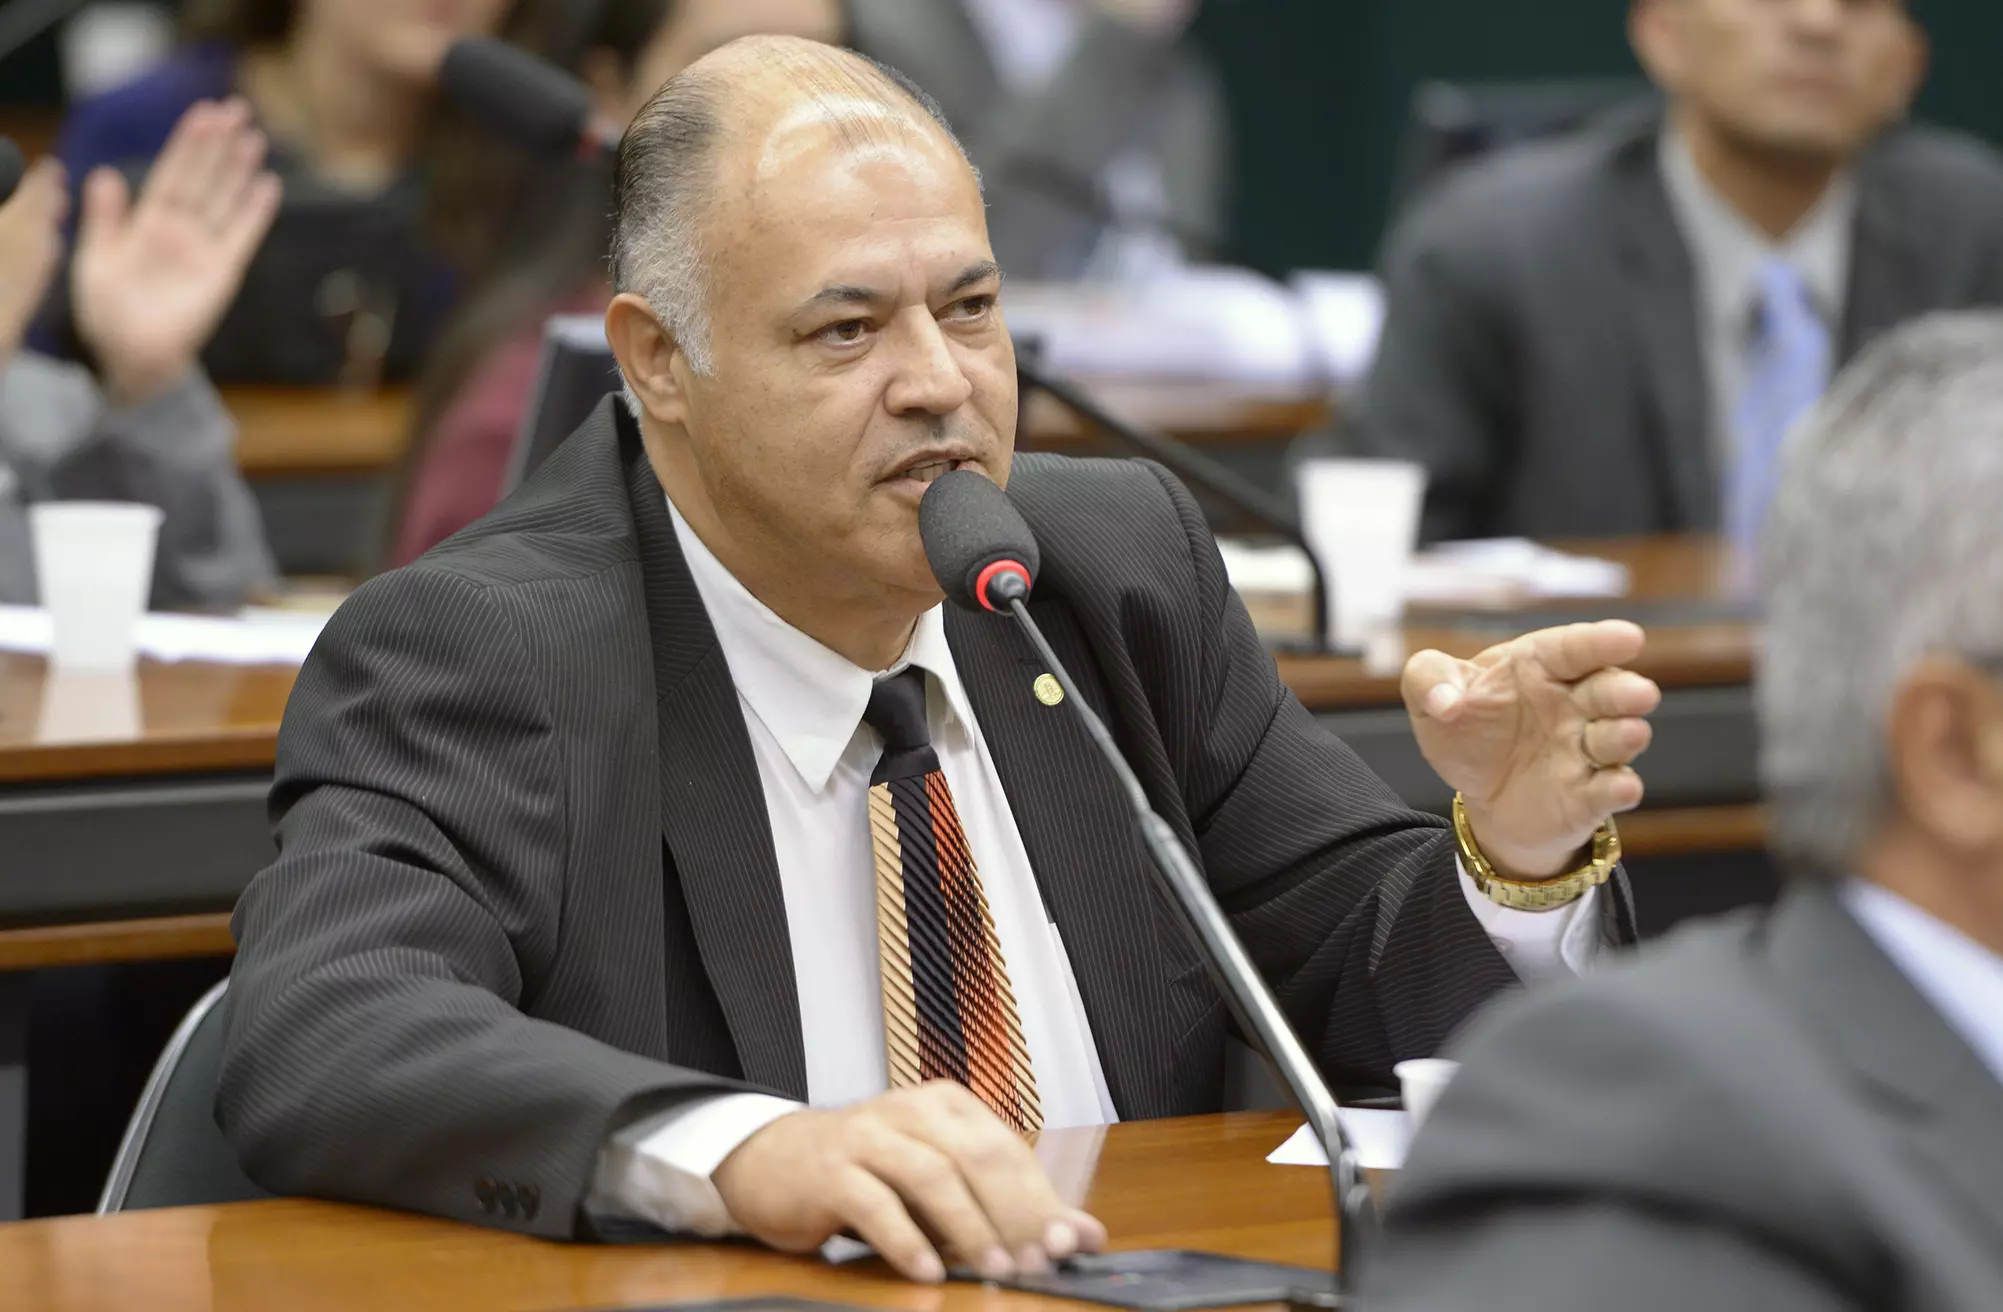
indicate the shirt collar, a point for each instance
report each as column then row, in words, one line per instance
column 1728, row 252
column 808, row 697
column 1961, row 978
column 1027, row 40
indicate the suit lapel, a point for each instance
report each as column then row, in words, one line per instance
column 1941, row 1099
column 1128, row 955
column 1662, row 317
column 713, row 806
column 1888, row 283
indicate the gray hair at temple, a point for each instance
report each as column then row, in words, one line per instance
column 666, row 163
column 1884, row 544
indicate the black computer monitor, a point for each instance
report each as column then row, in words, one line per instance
column 577, row 372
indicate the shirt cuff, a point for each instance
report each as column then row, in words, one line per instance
column 658, row 1169
column 1538, row 944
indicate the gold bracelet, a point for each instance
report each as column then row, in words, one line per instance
column 1538, row 895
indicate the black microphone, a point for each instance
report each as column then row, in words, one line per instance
column 12, row 167
column 983, row 554
column 529, row 101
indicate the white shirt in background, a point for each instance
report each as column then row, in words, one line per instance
column 1961, row 978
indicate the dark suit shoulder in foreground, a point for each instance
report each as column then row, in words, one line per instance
column 1758, row 1113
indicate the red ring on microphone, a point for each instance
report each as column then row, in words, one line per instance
column 987, row 576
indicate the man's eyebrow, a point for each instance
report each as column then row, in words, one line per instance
column 972, row 274
column 846, row 294
column 855, row 294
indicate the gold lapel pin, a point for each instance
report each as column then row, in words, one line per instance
column 1047, row 689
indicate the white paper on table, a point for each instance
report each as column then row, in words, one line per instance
column 1381, row 1136
column 257, row 637
column 1207, row 322
column 1344, row 314
column 1508, row 569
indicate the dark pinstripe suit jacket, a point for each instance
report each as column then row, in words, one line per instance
column 526, row 887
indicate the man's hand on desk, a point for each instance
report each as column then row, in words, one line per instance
column 1537, row 734
column 905, row 1171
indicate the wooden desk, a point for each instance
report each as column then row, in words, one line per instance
column 1199, row 1183
column 294, row 432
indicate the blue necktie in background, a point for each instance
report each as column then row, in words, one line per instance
column 1788, row 368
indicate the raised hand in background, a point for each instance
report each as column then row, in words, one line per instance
column 152, row 278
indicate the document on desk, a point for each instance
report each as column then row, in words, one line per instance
column 1381, row 1138
column 257, row 637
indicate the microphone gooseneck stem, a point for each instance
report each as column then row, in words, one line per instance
column 1194, row 467
column 1252, row 1004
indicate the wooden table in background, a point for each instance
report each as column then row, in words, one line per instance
column 295, row 432
column 219, row 724
column 1200, row 1183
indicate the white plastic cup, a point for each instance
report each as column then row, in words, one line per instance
column 1423, row 1080
column 1361, row 517
column 94, row 569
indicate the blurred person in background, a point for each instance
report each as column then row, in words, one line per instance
column 150, row 280
column 392, row 203
column 1101, row 137
column 1798, row 1110
column 474, row 394
column 1611, row 333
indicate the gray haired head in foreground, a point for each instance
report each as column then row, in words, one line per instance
column 667, row 158
column 1884, row 544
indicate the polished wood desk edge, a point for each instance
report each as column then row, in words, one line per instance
column 159, row 938
column 1197, row 1182
column 58, row 763
column 1684, row 831
column 306, row 432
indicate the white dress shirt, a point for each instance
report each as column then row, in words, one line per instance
column 1727, row 254
column 1961, row 978
column 802, row 706
column 1027, row 40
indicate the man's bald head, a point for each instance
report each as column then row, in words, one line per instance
column 716, row 126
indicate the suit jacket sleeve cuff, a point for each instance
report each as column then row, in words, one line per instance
column 1538, row 944
column 658, row 1168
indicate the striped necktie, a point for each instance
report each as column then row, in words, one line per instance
column 948, row 1011
column 1788, row 361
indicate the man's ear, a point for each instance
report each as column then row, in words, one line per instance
column 646, row 356
column 1943, row 755
column 1913, row 63
column 1654, row 45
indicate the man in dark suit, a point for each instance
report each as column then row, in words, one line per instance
column 1102, row 136
column 1799, row 1111
column 669, row 797
column 1612, row 332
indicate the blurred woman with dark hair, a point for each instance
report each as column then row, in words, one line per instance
column 391, row 204
column 472, row 397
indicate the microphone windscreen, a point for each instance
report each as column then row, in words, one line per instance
column 12, row 166
column 515, row 95
column 968, row 524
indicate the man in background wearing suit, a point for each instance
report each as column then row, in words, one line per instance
column 669, row 797
column 1103, row 140
column 1799, row 1111
column 1611, row 333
